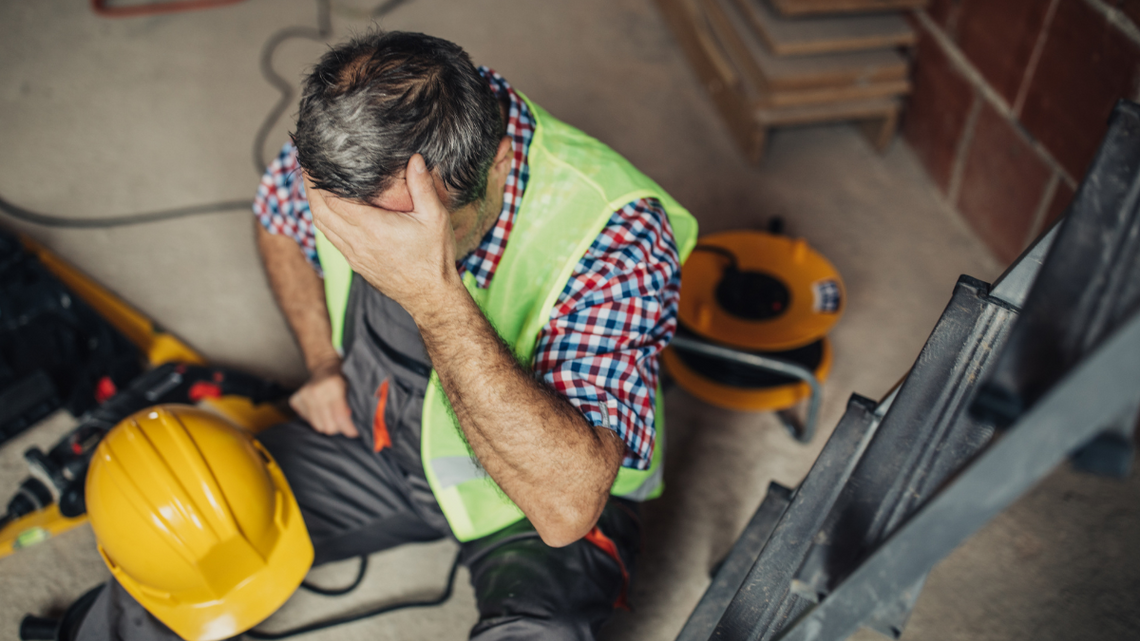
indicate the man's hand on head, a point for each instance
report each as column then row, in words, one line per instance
column 408, row 255
column 322, row 402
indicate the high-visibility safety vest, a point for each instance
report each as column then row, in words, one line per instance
column 576, row 184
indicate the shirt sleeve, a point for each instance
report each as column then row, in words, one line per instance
column 617, row 312
column 282, row 207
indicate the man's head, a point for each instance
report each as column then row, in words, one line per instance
column 373, row 102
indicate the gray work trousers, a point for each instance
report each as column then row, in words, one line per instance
column 355, row 501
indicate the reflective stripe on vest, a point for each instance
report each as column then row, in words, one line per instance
column 576, row 184
column 454, row 470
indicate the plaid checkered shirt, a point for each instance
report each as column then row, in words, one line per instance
column 616, row 313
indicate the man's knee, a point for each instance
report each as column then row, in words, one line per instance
column 526, row 590
column 285, row 441
column 305, row 455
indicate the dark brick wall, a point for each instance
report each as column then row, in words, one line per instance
column 1001, row 173
column 1086, row 65
column 999, row 37
column 1011, row 99
column 938, row 110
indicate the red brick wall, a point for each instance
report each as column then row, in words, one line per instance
column 1011, row 99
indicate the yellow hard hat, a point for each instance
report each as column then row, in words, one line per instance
column 196, row 521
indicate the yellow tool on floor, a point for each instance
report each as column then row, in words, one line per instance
column 178, row 373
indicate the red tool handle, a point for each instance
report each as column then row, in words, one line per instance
column 155, row 8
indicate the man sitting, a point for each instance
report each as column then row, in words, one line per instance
column 480, row 292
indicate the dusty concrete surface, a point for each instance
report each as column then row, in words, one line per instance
column 101, row 117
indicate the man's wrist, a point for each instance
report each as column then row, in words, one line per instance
column 324, row 366
column 439, row 305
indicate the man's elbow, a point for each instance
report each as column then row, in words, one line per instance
column 568, row 515
column 569, row 524
column 560, row 537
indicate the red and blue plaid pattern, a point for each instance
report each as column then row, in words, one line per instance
column 617, row 312
column 520, row 129
column 281, row 205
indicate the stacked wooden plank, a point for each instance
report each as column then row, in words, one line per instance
column 772, row 63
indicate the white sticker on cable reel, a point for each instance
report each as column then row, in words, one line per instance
column 825, row 296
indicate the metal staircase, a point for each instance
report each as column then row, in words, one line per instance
column 1015, row 378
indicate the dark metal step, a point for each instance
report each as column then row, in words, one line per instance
column 926, row 435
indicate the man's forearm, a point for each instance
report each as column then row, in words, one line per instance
column 301, row 296
column 540, row 450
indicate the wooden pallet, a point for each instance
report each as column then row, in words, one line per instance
column 736, row 97
column 826, row 34
column 812, row 7
column 804, row 80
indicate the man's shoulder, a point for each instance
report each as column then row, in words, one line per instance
column 639, row 230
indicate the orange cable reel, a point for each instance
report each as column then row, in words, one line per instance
column 757, row 292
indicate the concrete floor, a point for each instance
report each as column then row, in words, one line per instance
column 101, row 117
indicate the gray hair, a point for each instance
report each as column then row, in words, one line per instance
column 372, row 103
